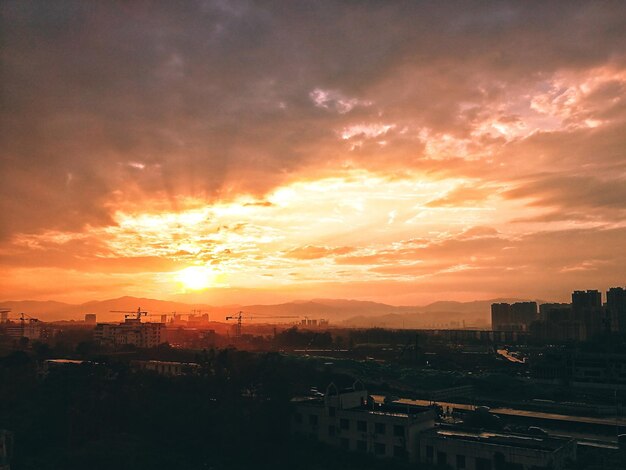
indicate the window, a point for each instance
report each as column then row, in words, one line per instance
column 361, row 426
column 298, row 418
column 345, row 443
column 331, row 411
column 399, row 452
column 313, row 420
column 361, row 446
column 483, row 464
column 441, row 458
column 331, row 430
column 380, row 449
column 398, row 431
column 429, row 453
column 460, row 462
column 344, row 424
column 379, row 428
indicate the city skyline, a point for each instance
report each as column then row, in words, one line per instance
column 245, row 152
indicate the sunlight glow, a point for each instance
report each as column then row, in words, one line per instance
column 197, row 277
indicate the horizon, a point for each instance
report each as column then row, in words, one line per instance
column 242, row 153
column 269, row 234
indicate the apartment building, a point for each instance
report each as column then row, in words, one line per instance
column 131, row 331
column 352, row 420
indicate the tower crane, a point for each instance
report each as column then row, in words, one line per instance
column 128, row 314
column 4, row 314
column 23, row 322
column 239, row 316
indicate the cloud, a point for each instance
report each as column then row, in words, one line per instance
column 315, row 252
column 462, row 195
column 461, row 115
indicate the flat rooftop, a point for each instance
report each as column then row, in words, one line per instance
column 390, row 409
column 543, row 443
column 608, row 421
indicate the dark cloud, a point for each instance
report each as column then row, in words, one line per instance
column 214, row 98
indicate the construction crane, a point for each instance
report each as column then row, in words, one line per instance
column 175, row 315
column 128, row 314
column 239, row 316
column 23, row 323
column 4, row 314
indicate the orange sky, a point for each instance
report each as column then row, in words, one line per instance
column 240, row 152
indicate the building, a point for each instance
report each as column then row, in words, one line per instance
column 557, row 324
column 554, row 311
column 587, row 310
column 169, row 369
column 31, row 328
column 500, row 316
column 90, row 318
column 352, row 420
column 616, row 306
column 598, row 370
column 513, row 317
column 524, row 313
column 470, row 449
column 59, row 364
column 131, row 331
column 584, row 319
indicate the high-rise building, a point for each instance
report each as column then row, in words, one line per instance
column 586, row 299
column 90, row 318
column 500, row 316
column 587, row 309
column 523, row 313
column 616, row 306
column 513, row 317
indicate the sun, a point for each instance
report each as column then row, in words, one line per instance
column 196, row 277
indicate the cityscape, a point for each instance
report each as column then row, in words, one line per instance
column 332, row 235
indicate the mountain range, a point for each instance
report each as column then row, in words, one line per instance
column 339, row 311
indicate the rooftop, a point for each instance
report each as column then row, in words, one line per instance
column 543, row 443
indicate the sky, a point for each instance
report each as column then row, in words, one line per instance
column 241, row 151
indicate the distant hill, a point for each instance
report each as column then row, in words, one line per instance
column 354, row 313
column 53, row 310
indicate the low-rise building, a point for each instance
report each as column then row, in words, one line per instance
column 352, row 420
column 468, row 449
column 168, row 368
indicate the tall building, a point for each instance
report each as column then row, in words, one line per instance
column 524, row 313
column 554, row 311
column 587, row 310
column 90, row 318
column 557, row 324
column 616, row 306
column 500, row 316
column 513, row 317
column 586, row 299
